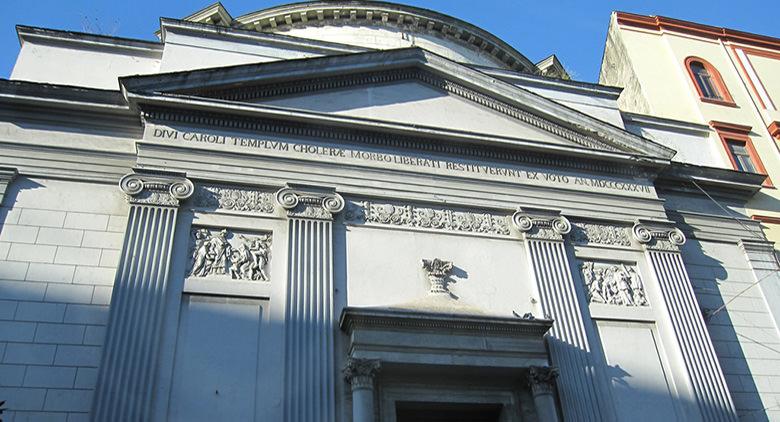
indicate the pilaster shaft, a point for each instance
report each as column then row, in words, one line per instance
column 128, row 369
column 581, row 396
column 761, row 256
column 309, row 318
column 360, row 374
column 7, row 175
column 662, row 241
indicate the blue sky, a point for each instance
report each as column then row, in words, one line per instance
column 573, row 30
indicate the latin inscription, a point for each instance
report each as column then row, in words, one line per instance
column 292, row 148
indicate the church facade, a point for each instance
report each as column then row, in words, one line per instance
column 362, row 211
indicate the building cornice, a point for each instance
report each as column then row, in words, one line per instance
column 458, row 79
column 665, row 124
column 243, row 35
column 135, row 46
column 662, row 23
column 718, row 181
column 375, row 13
column 387, row 318
column 527, row 79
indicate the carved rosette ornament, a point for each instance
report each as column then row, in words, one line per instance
column 322, row 205
column 541, row 379
column 360, row 373
column 541, row 224
column 156, row 189
column 438, row 272
column 658, row 235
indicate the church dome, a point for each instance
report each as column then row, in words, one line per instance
column 379, row 25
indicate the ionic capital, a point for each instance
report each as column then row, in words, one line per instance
column 360, row 373
column 658, row 235
column 541, row 379
column 322, row 204
column 541, row 224
column 146, row 188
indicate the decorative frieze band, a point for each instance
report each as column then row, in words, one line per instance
column 233, row 199
column 156, row 189
column 658, row 235
column 305, row 203
column 541, row 224
column 413, row 216
column 601, row 234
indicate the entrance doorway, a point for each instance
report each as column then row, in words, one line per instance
column 447, row 412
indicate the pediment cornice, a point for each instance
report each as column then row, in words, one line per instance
column 293, row 77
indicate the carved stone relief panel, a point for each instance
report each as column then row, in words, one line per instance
column 613, row 284
column 600, row 233
column 228, row 254
column 414, row 216
column 230, row 198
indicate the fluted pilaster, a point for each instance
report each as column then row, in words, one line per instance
column 128, row 369
column 661, row 241
column 309, row 318
column 583, row 398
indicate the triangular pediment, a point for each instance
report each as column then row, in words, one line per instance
column 408, row 87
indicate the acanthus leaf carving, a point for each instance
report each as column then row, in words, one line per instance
column 438, row 271
column 613, row 284
column 234, row 199
column 603, row 234
column 414, row 216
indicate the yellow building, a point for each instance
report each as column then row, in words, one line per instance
column 725, row 80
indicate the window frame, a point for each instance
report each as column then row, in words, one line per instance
column 730, row 132
column 717, row 80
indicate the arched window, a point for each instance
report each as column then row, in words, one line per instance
column 708, row 82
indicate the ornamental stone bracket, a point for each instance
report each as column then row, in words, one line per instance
column 161, row 189
column 7, row 175
column 541, row 224
column 305, row 202
column 438, row 272
column 658, row 235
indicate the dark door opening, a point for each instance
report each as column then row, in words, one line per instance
column 447, row 412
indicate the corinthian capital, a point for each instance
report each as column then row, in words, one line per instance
column 315, row 203
column 147, row 188
column 542, row 378
column 541, row 224
column 361, row 372
column 658, row 235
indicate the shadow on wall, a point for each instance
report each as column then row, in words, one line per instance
column 710, row 278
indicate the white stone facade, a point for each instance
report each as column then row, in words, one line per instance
column 360, row 235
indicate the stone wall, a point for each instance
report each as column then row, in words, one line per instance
column 744, row 335
column 59, row 247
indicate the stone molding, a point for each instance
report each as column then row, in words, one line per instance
column 310, row 203
column 362, row 318
column 234, row 198
column 157, row 189
column 658, row 235
column 7, row 175
column 360, row 373
column 425, row 217
column 541, row 379
column 600, row 234
column 386, row 76
column 757, row 246
column 217, row 118
column 438, row 272
column 540, row 224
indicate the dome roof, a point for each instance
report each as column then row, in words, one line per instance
column 379, row 25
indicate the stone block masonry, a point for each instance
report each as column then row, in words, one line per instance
column 57, row 264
